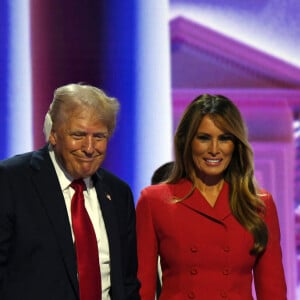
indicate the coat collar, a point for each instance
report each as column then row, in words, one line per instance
column 197, row 202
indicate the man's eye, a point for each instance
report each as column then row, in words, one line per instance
column 101, row 136
column 77, row 135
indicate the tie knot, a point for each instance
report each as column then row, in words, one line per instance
column 78, row 185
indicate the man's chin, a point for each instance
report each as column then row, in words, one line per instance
column 88, row 171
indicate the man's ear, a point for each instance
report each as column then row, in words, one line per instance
column 52, row 137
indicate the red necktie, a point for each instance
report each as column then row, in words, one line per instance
column 86, row 246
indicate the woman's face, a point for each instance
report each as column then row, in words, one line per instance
column 212, row 150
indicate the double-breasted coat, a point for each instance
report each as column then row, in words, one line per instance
column 204, row 250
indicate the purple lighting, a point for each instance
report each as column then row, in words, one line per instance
column 267, row 91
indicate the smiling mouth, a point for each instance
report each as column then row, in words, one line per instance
column 213, row 161
column 88, row 160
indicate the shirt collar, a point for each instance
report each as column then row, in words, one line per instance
column 63, row 177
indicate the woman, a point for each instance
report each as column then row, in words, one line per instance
column 210, row 224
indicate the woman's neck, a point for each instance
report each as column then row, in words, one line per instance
column 210, row 189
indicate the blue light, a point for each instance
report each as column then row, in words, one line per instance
column 19, row 79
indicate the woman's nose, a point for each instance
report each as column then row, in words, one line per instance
column 214, row 147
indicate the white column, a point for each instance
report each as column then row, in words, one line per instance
column 153, row 109
column 19, row 89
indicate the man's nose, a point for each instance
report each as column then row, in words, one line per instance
column 88, row 144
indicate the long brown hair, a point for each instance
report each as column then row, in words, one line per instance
column 245, row 203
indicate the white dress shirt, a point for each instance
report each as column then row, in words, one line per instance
column 92, row 206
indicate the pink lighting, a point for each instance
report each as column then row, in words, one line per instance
column 267, row 91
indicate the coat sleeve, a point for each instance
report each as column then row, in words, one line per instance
column 268, row 272
column 147, row 246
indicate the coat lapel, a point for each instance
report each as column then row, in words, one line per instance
column 47, row 186
column 197, row 202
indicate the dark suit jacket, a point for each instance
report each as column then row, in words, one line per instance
column 37, row 256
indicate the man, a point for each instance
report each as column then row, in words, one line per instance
column 42, row 255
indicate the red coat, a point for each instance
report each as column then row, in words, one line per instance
column 204, row 251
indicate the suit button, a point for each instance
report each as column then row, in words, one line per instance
column 194, row 249
column 226, row 249
column 226, row 271
column 194, row 271
column 223, row 294
column 191, row 295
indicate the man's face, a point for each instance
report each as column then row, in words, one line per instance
column 80, row 142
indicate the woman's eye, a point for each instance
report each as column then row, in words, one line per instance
column 203, row 137
column 226, row 137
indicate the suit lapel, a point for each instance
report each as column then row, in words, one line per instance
column 46, row 183
column 107, row 204
column 108, row 212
